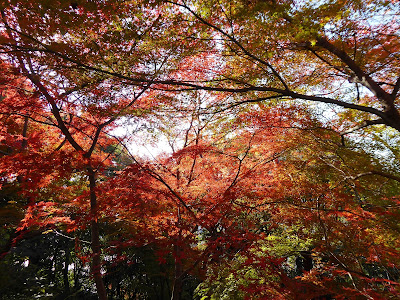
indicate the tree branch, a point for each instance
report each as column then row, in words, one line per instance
column 34, row 78
column 396, row 89
column 366, row 123
column 390, row 115
column 379, row 173
column 362, row 77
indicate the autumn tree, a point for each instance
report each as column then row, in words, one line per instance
column 83, row 105
column 276, row 200
column 81, row 117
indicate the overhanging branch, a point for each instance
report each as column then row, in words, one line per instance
column 366, row 123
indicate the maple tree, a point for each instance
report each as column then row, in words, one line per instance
column 38, row 158
column 230, row 85
column 218, row 183
column 82, row 106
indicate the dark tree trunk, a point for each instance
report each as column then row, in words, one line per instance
column 95, row 237
column 65, row 271
column 304, row 262
column 53, row 265
column 178, row 282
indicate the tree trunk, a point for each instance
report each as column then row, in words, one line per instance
column 65, row 271
column 95, row 237
column 178, row 282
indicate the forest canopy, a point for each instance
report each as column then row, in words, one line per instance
column 275, row 129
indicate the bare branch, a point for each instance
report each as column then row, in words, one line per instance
column 366, row 123
column 396, row 88
column 362, row 77
column 379, row 173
